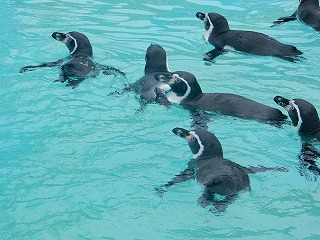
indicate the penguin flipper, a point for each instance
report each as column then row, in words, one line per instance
column 107, row 70
column 206, row 199
column 282, row 20
column 62, row 78
column 209, row 56
column 252, row 170
column 47, row 64
column 183, row 176
column 308, row 157
column 126, row 89
column 221, row 206
column 200, row 119
column 74, row 83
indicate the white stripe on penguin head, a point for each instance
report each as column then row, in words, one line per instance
column 198, row 154
column 294, row 105
column 173, row 97
column 75, row 43
column 207, row 33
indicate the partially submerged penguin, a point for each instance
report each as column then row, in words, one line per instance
column 147, row 87
column 305, row 120
column 187, row 92
column 220, row 36
column 308, row 12
column 80, row 64
column 218, row 175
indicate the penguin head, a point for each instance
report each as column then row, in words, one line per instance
column 77, row 43
column 201, row 142
column 184, row 86
column 214, row 23
column 156, row 59
column 302, row 113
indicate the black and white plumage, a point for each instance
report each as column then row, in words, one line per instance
column 218, row 175
column 303, row 115
column 187, row 92
column 220, row 36
column 80, row 64
column 305, row 120
column 308, row 12
column 156, row 63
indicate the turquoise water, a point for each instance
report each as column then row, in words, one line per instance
column 83, row 164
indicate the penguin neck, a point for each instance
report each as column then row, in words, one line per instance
column 193, row 92
column 202, row 161
column 87, row 52
column 209, row 153
column 80, row 55
column 78, row 48
column 160, row 66
column 222, row 28
column 149, row 70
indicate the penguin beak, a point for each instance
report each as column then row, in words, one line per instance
column 163, row 77
column 183, row 133
column 168, row 78
column 201, row 16
column 62, row 37
column 283, row 102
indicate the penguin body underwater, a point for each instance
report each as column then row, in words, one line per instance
column 305, row 120
column 147, row 87
column 80, row 64
column 187, row 92
column 308, row 12
column 220, row 36
column 218, row 175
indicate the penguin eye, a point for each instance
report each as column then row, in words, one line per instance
column 178, row 80
column 193, row 138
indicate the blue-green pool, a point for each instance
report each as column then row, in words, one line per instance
column 83, row 164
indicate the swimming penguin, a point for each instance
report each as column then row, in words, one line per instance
column 220, row 36
column 208, row 166
column 308, row 12
column 80, row 64
column 303, row 115
column 187, row 92
column 147, row 87
column 305, row 120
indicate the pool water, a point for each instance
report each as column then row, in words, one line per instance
column 83, row 163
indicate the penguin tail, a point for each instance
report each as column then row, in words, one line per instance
column 296, row 51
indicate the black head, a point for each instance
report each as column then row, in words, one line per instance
column 77, row 43
column 213, row 23
column 201, row 142
column 184, row 85
column 156, row 59
column 302, row 113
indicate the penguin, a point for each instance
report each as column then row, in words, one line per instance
column 147, row 87
column 218, row 175
column 187, row 92
column 303, row 114
column 305, row 120
column 308, row 12
column 80, row 64
column 220, row 36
